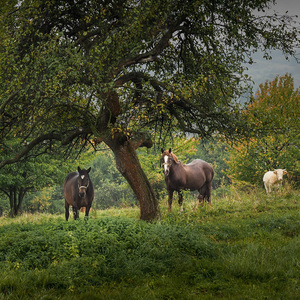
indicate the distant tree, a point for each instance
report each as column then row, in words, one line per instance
column 30, row 174
column 274, row 141
column 117, row 71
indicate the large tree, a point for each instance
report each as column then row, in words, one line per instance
column 119, row 70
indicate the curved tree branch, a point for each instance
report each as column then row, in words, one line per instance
column 151, row 55
column 64, row 139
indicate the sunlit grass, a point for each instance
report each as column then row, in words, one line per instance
column 233, row 203
column 26, row 218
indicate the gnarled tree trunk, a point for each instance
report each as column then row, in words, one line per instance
column 129, row 166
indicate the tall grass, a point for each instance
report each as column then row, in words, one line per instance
column 246, row 246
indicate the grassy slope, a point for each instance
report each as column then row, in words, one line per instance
column 245, row 247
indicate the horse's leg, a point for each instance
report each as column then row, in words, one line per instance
column 67, row 213
column 202, row 193
column 87, row 210
column 180, row 200
column 208, row 194
column 75, row 213
column 170, row 192
column 200, row 200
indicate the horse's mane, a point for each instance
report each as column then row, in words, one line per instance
column 166, row 152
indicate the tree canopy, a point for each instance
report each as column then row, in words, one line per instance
column 274, row 115
column 83, row 72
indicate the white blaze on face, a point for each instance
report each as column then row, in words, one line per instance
column 166, row 163
column 82, row 176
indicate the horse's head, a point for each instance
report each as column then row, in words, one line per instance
column 167, row 159
column 83, row 181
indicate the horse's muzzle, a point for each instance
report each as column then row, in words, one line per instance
column 82, row 194
column 82, row 191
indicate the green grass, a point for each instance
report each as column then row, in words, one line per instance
column 244, row 247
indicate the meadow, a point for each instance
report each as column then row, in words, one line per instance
column 246, row 246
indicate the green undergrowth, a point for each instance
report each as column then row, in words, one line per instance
column 246, row 246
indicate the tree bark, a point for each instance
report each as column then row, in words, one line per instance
column 13, row 201
column 129, row 166
column 16, row 197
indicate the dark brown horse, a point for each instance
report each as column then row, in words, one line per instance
column 195, row 176
column 79, row 192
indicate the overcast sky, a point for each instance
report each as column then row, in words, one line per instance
column 263, row 69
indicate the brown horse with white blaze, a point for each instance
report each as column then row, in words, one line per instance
column 195, row 176
column 78, row 192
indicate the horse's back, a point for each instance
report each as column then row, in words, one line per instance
column 70, row 176
column 202, row 167
column 198, row 162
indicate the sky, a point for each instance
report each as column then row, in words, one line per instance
column 263, row 69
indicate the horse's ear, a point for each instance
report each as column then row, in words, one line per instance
column 162, row 150
column 170, row 150
column 78, row 169
column 88, row 170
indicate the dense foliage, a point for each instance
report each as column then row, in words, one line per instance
column 246, row 246
column 143, row 61
column 274, row 142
